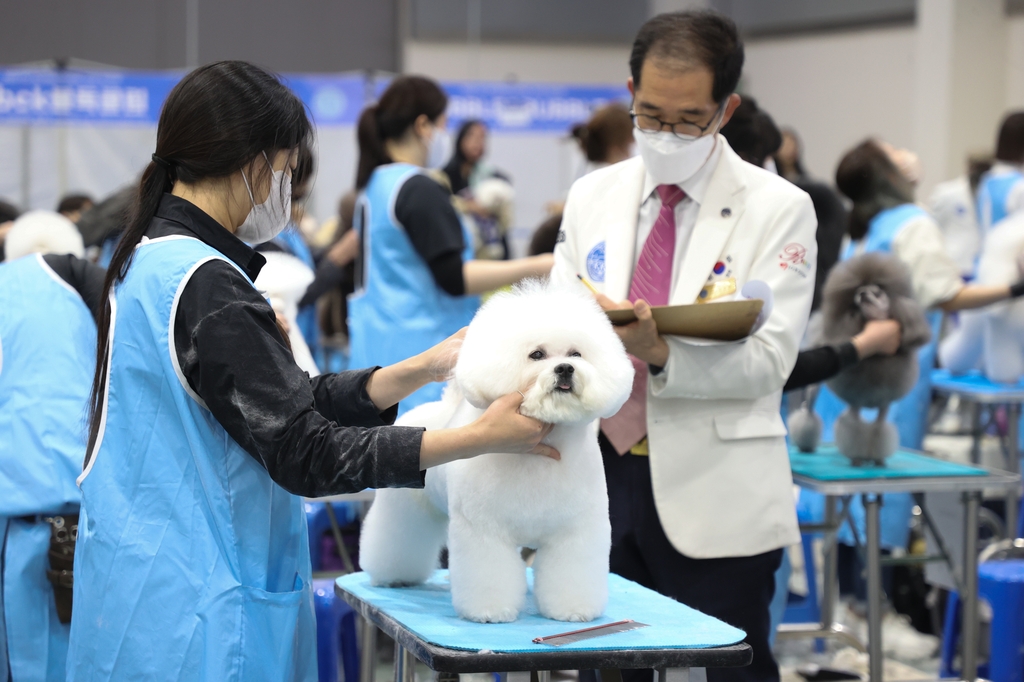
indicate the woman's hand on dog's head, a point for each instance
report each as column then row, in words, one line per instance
column 442, row 357
column 506, row 430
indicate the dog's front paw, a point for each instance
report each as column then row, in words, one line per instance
column 572, row 614
column 491, row 615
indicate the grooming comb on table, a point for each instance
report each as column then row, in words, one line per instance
column 590, row 633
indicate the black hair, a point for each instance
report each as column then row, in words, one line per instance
column 869, row 178
column 215, row 121
column 703, row 37
column 1010, row 145
column 453, row 169
column 302, row 174
column 8, row 212
column 73, row 202
column 405, row 100
column 752, row 133
column 545, row 237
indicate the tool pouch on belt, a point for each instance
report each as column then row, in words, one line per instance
column 63, row 534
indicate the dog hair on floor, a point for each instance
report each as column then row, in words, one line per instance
column 557, row 347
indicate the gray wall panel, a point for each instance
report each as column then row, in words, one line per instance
column 759, row 17
column 592, row 21
column 297, row 35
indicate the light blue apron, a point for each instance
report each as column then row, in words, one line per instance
column 47, row 356
column 993, row 192
column 399, row 311
column 909, row 414
column 192, row 564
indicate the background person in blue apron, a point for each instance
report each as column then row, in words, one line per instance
column 416, row 282
column 884, row 218
column 1001, row 190
column 48, row 299
column 192, row 558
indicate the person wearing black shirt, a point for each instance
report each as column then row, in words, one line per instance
column 203, row 432
column 416, row 280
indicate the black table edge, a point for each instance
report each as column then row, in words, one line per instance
column 442, row 659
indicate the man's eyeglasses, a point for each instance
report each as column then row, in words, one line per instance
column 685, row 130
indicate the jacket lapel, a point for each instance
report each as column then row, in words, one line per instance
column 723, row 205
column 619, row 213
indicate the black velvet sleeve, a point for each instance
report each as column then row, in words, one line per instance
column 314, row 437
column 83, row 276
column 425, row 210
column 820, row 364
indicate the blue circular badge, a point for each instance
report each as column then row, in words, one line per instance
column 595, row 263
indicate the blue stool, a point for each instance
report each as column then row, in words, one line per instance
column 1001, row 584
column 319, row 523
column 335, row 635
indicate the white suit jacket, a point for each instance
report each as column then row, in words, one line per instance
column 718, row 457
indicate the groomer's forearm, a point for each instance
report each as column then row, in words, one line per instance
column 976, row 296
column 447, row 445
column 481, row 276
column 390, row 384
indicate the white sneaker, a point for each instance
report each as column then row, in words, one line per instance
column 902, row 641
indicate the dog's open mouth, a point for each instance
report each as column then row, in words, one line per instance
column 563, row 387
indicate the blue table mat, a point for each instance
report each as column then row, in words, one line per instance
column 828, row 464
column 972, row 382
column 427, row 611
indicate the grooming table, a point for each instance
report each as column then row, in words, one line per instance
column 424, row 625
column 831, row 474
column 975, row 388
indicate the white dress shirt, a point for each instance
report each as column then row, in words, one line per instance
column 686, row 211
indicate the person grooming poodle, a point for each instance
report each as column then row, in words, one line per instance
column 557, row 347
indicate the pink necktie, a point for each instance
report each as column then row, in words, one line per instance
column 652, row 282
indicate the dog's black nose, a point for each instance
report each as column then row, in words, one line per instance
column 564, row 370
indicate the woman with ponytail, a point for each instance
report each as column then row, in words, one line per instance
column 192, row 558
column 416, row 282
column 879, row 180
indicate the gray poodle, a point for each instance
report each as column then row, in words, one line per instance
column 873, row 286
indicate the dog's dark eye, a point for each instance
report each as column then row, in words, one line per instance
column 537, row 355
column 575, row 354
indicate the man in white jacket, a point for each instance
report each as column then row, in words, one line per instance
column 698, row 475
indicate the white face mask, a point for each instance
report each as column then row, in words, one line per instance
column 265, row 221
column 670, row 159
column 439, row 148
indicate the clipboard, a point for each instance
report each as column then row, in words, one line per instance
column 725, row 321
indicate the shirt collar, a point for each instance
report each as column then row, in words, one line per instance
column 200, row 225
column 696, row 186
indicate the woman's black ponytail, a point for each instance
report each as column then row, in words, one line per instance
column 405, row 100
column 869, row 178
column 217, row 120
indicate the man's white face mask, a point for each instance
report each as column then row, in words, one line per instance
column 671, row 159
column 266, row 220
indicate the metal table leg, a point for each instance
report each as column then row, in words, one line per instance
column 872, row 503
column 368, row 652
column 1013, row 466
column 405, row 664
column 969, row 598
column 830, row 569
column 976, row 432
column 680, row 675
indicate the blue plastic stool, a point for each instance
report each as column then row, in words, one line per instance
column 318, row 523
column 335, row 634
column 1001, row 584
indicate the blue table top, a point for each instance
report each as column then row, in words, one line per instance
column 828, row 464
column 975, row 384
column 427, row 611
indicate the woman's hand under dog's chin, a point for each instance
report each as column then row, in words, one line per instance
column 501, row 428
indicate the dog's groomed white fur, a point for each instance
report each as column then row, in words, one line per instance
column 490, row 506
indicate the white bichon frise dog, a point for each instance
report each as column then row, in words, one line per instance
column 558, row 348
